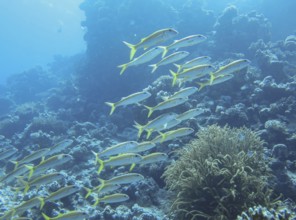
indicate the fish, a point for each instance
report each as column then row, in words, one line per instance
column 194, row 62
column 119, row 160
column 165, row 105
column 232, row 67
column 131, row 99
column 8, row 178
column 170, row 135
column 184, row 42
column 144, row 58
column 113, row 198
column 7, row 215
column 192, row 73
column 160, row 122
column 183, row 93
column 143, row 146
column 61, row 193
column 44, row 179
column 24, row 206
column 7, row 153
column 189, row 114
column 31, row 157
column 124, row 147
column 60, row 146
column 169, row 59
column 49, row 163
column 215, row 80
column 102, row 189
column 153, row 158
column 151, row 40
column 72, row 215
column 123, row 179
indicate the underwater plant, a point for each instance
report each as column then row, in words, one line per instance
column 219, row 174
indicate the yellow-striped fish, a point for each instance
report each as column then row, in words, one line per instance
column 192, row 63
column 72, row 215
column 128, row 100
column 165, row 105
column 119, row 160
column 169, row 59
column 159, row 123
column 184, row 42
column 114, row 198
column 153, row 39
column 144, row 58
column 232, row 67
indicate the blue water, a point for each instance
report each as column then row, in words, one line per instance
column 33, row 32
column 59, row 65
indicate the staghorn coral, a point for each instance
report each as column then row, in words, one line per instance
column 218, row 175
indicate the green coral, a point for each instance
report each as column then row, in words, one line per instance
column 218, row 175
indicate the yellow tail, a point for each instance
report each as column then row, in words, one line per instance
column 123, row 68
column 175, row 77
column 163, row 137
column 140, row 128
column 150, row 110
column 201, row 85
column 31, row 171
column 42, row 203
column 154, row 67
column 149, row 132
column 165, row 50
column 89, row 191
column 16, row 163
column 112, row 105
column 132, row 167
column 26, row 184
column 45, row 216
column 101, row 167
column 178, row 66
column 133, row 49
column 212, row 78
column 103, row 182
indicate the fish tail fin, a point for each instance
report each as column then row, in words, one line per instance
column 175, row 77
column 133, row 49
column 101, row 167
column 132, row 167
column 42, row 202
column 112, row 105
column 150, row 110
column 201, row 85
column 163, row 137
column 89, row 191
column 212, row 78
column 178, row 66
column 16, row 164
column 123, row 68
column 103, row 182
column 45, row 216
column 165, row 50
column 140, row 128
column 154, row 67
column 25, row 183
column 31, row 171
column 149, row 132
column 97, row 156
column 96, row 202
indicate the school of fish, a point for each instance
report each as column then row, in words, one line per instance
column 27, row 174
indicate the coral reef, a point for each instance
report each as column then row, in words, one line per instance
column 219, row 174
column 235, row 32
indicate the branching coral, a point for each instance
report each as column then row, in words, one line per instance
column 219, row 174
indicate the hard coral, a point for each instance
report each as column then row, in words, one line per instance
column 218, row 175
